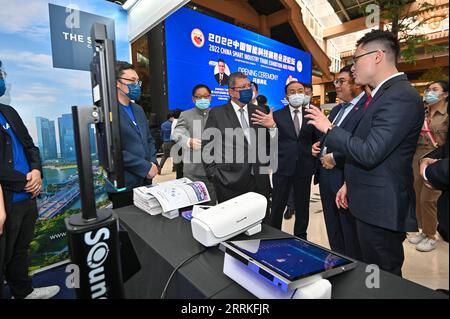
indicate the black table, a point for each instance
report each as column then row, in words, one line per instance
column 162, row 244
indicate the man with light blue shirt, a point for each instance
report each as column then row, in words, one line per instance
column 138, row 145
column 340, row 224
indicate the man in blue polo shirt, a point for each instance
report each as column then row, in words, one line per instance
column 138, row 145
column 21, row 180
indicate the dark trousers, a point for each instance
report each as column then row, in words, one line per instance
column 291, row 202
column 381, row 246
column 121, row 199
column 19, row 232
column 302, row 193
column 166, row 147
column 340, row 223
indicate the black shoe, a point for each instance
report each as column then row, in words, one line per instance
column 289, row 213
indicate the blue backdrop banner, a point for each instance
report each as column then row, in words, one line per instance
column 195, row 43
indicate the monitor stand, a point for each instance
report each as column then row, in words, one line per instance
column 263, row 289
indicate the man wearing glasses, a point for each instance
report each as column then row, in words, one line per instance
column 379, row 153
column 229, row 142
column 340, row 224
column 138, row 145
column 188, row 135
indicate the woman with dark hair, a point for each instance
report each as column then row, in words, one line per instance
column 433, row 135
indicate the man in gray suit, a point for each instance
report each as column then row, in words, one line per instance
column 188, row 133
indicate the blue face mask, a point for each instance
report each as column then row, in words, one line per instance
column 2, row 87
column 202, row 104
column 431, row 97
column 245, row 96
column 134, row 91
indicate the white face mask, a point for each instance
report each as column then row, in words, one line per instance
column 306, row 100
column 296, row 100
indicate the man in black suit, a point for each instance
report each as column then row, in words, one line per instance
column 221, row 77
column 379, row 153
column 231, row 144
column 295, row 161
column 341, row 225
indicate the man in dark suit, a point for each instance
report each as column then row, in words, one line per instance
column 341, row 225
column 221, row 77
column 230, row 142
column 21, row 181
column 379, row 153
column 295, row 161
column 138, row 145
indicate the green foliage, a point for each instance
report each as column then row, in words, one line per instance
column 436, row 73
column 410, row 48
column 404, row 24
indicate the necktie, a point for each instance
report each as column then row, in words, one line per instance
column 341, row 113
column 336, row 122
column 244, row 125
column 296, row 122
column 369, row 99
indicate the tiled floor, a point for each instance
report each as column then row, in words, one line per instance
column 429, row 269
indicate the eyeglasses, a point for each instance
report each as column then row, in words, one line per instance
column 202, row 97
column 339, row 82
column 133, row 81
column 355, row 58
column 238, row 88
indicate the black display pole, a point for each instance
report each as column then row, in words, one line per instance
column 94, row 235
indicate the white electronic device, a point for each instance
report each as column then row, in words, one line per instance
column 317, row 288
column 215, row 224
column 283, row 267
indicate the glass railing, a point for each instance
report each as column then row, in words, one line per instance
column 316, row 30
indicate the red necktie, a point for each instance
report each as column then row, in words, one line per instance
column 369, row 99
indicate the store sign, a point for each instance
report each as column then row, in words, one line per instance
column 70, row 31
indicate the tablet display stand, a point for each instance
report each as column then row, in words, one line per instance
column 257, row 285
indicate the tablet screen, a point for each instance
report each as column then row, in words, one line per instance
column 292, row 258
